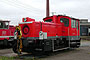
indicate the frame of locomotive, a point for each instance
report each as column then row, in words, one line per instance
column 55, row 33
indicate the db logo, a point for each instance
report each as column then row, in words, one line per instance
column 3, row 32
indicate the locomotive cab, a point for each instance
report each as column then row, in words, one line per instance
column 69, row 31
column 6, row 33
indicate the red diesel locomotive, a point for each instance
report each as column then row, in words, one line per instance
column 6, row 33
column 55, row 33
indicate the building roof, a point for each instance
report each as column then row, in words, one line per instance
column 85, row 23
column 4, row 21
column 84, row 20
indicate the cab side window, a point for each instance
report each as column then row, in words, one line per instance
column 73, row 23
column 65, row 21
column 4, row 25
column 1, row 24
column 49, row 20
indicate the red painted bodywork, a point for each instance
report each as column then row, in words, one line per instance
column 28, row 19
column 53, row 28
column 7, row 33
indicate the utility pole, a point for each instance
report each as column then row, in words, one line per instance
column 47, row 8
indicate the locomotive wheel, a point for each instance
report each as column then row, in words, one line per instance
column 15, row 48
column 5, row 42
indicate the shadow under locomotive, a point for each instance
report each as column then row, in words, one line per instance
column 5, row 47
column 47, row 54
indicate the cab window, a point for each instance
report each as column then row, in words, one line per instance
column 4, row 25
column 73, row 23
column 65, row 21
column 49, row 20
column 1, row 24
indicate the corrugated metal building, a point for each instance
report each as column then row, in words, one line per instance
column 84, row 27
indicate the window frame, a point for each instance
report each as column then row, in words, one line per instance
column 3, row 27
column 73, row 23
column 66, row 24
column 48, row 20
column 77, row 25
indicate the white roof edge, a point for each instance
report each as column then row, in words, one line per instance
column 25, row 22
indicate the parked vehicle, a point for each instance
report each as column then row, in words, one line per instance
column 6, row 33
column 55, row 33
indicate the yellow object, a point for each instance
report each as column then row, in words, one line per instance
column 19, row 41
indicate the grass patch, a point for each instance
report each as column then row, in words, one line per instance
column 31, row 59
column 89, row 53
column 26, row 58
column 6, row 58
column 17, row 58
column 84, row 40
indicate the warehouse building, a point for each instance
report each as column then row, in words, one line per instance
column 84, row 27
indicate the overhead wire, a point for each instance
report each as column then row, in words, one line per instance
column 26, row 6
column 34, row 13
column 17, row 5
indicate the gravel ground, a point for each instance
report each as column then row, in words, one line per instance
column 7, row 52
column 82, row 53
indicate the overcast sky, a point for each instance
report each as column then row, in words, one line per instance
column 15, row 10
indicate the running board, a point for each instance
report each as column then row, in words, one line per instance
column 61, row 49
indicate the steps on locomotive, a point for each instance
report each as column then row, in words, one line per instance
column 66, row 45
column 59, row 45
column 61, row 49
column 74, row 43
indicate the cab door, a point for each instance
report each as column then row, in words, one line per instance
column 65, row 26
